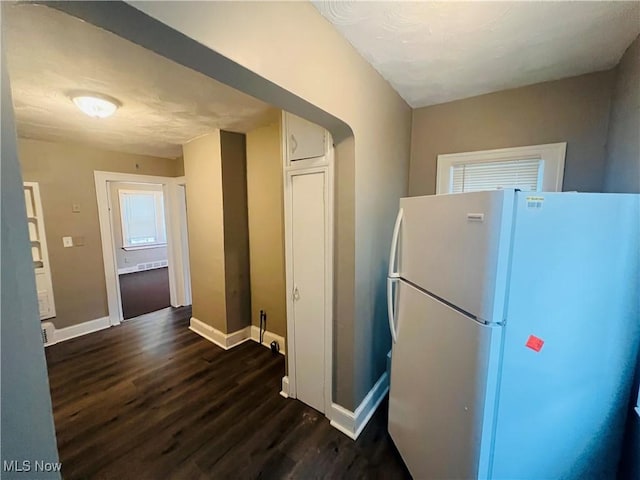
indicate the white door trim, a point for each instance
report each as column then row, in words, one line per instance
column 181, row 247
column 303, row 167
column 174, row 250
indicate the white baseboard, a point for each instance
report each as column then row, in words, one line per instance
column 285, row 387
column 352, row 423
column 73, row 331
column 267, row 338
column 230, row 340
column 343, row 420
column 238, row 337
column 221, row 339
column 143, row 267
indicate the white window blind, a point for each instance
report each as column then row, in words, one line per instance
column 535, row 167
column 477, row 176
column 142, row 216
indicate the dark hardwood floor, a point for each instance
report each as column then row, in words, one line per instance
column 144, row 292
column 152, row 400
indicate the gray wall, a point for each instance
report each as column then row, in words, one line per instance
column 573, row 110
column 65, row 174
column 216, row 171
column 265, row 195
column 236, row 230
column 27, row 431
column 203, row 171
column 622, row 173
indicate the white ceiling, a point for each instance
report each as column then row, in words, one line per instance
column 435, row 52
column 164, row 105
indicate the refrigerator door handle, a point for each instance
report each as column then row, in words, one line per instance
column 391, row 309
column 394, row 246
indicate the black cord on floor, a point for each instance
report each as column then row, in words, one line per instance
column 263, row 326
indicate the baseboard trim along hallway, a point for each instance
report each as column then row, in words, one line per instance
column 221, row 339
column 285, row 387
column 352, row 423
column 230, row 340
column 267, row 338
column 73, row 331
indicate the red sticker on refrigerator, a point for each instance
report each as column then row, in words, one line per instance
column 535, row 343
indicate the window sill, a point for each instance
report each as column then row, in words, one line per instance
column 145, row 247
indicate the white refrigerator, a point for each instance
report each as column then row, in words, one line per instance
column 515, row 325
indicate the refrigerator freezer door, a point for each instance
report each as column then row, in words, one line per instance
column 574, row 285
column 443, row 380
column 457, row 248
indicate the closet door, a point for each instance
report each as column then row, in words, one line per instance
column 309, row 250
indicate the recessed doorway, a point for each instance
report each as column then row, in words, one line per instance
column 144, row 235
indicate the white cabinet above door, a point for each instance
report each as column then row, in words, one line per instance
column 303, row 139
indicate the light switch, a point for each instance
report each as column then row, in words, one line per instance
column 75, row 208
column 67, row 242
column 78, row 241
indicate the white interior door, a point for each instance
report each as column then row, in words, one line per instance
column 308, row 222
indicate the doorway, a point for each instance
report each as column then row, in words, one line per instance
column 143, row 228
column 140, row 246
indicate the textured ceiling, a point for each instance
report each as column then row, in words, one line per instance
column 434, row 52
column 164, row 105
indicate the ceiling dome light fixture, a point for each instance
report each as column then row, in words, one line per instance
column 95, row 105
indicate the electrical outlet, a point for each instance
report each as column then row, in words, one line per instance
column 78, row 241
column 75, row 208
column 67, row 242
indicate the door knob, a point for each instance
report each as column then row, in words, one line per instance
column 296, row 294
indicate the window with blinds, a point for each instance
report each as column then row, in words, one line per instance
column 142, row 216
column 477, row 176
